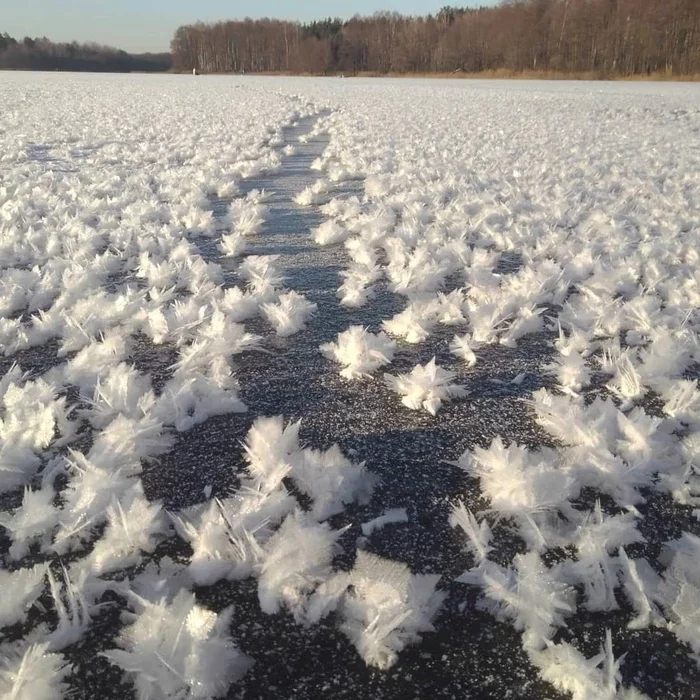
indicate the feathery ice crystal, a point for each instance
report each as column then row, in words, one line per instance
column 425, row 387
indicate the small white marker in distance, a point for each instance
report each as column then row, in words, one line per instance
column 207, row 491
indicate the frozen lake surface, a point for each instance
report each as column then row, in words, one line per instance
column 349, row 388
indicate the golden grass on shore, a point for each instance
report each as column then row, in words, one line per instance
column 506, row 74
column 497, row 74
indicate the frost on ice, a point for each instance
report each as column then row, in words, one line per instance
column 567, row 256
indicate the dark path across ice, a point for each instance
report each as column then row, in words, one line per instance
column 470, row 655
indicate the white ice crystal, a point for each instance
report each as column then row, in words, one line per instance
column 452, row 308
column 357, row 288
column 289, row 314
column 189, row 399
column 120, row 390
column 91, row 488
column 530, row 594
column 463, row 346
column 233, row 245
column 641, row 585
column 596, row 537
column 615, row 452
column 425, row 387
column 239, row 305
column 479, row 534
column 571, row 373
column 75, row 594
column 134, row 527
column 247, row 216
column 270, row 449
column 263, row 277
column 32, row 419
column 20, row 589
column 329, row 232
column 125, row 442
column 297, row 558
column 30, row 671
column 521, row 484
column 227, row 536
column 683, row 401
column 179, row 650
column 679, row 593
column 359, row 352
column 598, row 678
column 314, row 194
column 383, row 606
column 388, row 608
column 415, row 323
column 34, row 520
column 331, row 480
column 390, row 517
column 626, row 384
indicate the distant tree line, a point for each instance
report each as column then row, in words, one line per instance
column 601, row 37
column 42, row 54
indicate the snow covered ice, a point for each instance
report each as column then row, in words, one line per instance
column 367, row 389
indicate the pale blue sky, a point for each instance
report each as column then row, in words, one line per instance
column 148, row 25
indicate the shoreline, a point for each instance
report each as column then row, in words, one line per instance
column 462, row 75
column 483, row 75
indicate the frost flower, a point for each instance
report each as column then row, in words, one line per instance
column 360, row 352
column 179, row 650
column 426, row 386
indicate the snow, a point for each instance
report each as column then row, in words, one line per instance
column 245, row 320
